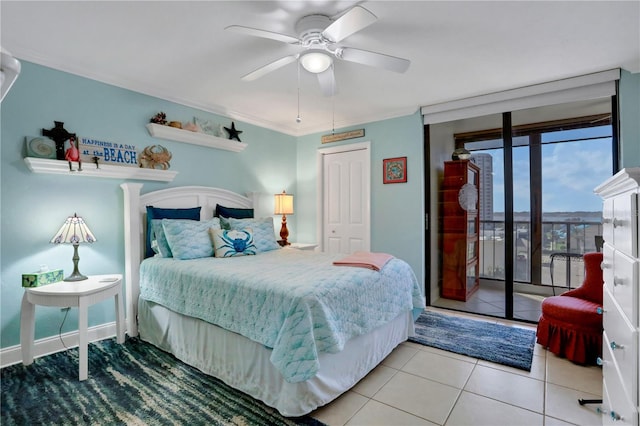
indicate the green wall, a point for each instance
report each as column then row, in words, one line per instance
column 33, row 206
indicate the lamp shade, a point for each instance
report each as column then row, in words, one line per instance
column 283, row 203
column 73, row 231
column 315, row 61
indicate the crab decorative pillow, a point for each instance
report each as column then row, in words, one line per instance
column 230, row 243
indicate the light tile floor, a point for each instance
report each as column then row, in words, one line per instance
column 420, row 385
column 489, row 300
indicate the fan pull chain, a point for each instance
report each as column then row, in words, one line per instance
column 298, row 119
column 333, row 101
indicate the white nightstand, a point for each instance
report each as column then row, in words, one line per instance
column 67, row 294
column 303, row 246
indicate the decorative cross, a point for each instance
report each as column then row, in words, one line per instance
column 59, row 136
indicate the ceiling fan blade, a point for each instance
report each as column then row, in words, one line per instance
column 263, row 33
column 356, row 19
column 373, row 59
column 253, row 75
column 327, row 80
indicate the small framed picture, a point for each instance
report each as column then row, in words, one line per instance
column 394, row 170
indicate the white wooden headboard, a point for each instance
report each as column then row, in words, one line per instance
column 135, row 213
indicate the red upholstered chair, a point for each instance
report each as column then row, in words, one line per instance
column 571, row 324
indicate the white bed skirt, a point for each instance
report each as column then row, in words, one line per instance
column 244, row 364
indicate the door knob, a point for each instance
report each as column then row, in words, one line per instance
column 615, row 346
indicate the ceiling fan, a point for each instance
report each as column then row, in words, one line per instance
column 319, row 35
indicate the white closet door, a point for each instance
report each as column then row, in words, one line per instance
column 346, row 201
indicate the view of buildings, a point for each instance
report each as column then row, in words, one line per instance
column 572, row 213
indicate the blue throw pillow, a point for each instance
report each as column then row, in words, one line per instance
column 231, row 243
column 189, row 239
column 160, row 213
column 233, row 212
column 263, row 234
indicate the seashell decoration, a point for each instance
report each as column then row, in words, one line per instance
column 191, row 127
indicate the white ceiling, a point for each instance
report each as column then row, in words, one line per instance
column 180, row 51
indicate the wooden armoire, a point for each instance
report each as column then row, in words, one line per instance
column 460, row 225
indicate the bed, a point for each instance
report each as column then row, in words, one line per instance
column 294, row 349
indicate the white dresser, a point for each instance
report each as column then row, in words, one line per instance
column 621, row 270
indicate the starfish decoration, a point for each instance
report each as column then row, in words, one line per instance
column 233, row 133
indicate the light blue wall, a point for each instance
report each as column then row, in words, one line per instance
column 33, row 206
column 397, row 213
column 629, row 119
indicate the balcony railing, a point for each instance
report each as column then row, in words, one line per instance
column 557, row 237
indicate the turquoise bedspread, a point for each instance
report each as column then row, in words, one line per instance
column 295, row 302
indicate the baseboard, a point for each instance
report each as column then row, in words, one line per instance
column 49, row 345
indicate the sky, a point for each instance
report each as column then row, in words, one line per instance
column 570, row 172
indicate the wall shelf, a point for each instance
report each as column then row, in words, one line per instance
column 61, row 167
column 195, row 138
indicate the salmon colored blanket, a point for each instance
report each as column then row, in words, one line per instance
column 364, row 259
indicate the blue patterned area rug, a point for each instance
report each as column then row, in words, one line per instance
column 512, row 346
column 134, row 383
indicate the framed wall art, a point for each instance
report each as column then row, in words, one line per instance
column 394, row 170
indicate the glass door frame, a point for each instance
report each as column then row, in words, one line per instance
column 536, row 229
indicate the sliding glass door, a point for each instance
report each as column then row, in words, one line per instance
column 538, row 213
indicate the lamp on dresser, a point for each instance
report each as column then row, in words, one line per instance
column 74, row 231
column 283, row 206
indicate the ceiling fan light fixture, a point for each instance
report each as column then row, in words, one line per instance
column 315, row 61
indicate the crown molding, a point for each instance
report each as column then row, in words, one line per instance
column 136, row 86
